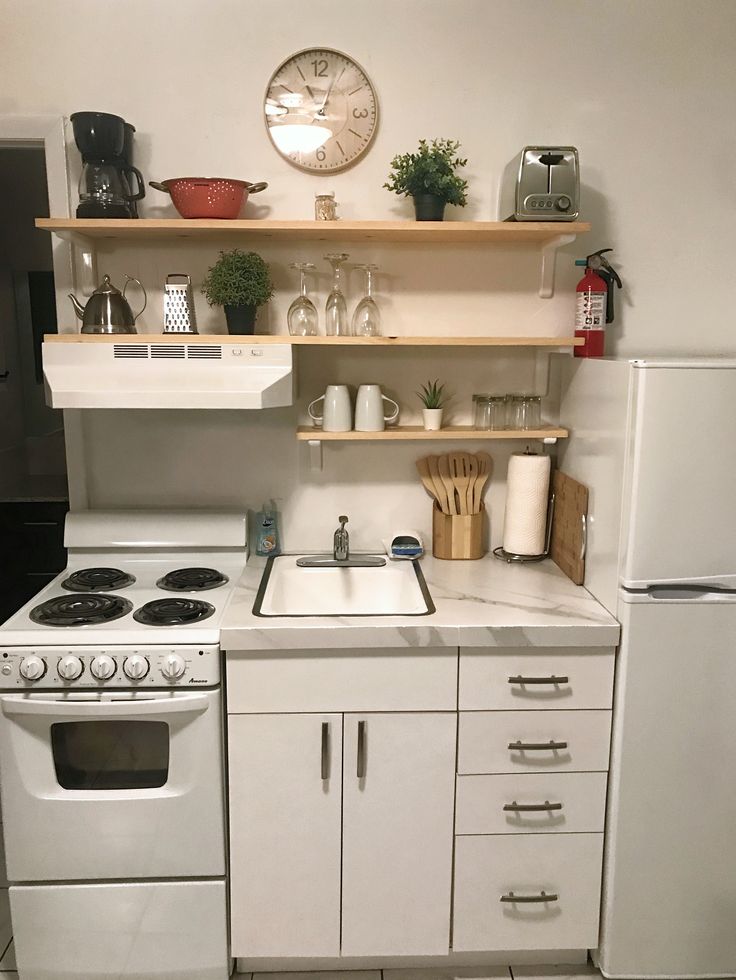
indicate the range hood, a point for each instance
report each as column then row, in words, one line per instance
column 86, row 372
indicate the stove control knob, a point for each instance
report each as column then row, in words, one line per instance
column 70, row 668
column 32, row 668
column 136, row 667
column 103, row 667
column 173, row 667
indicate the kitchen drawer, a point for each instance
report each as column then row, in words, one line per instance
column 384, row 679
column 580, row 741
column 509, row 679
column 579, row 799
column 567, row 867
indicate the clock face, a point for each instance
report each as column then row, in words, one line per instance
column 321, row 110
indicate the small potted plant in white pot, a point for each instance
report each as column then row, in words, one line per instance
column 432, row 398
column 240, row 282
column 429, row 177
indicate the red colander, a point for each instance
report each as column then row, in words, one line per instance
column 208, row 197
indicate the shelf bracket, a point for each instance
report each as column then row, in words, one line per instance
column 85, row 260
column 549, row 256
column 315, row 455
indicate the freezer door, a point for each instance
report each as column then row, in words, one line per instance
column 668, row 894
column 682, row 477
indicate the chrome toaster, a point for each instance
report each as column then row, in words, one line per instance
column 542, row 183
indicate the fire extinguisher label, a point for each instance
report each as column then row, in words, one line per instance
column 591, row 311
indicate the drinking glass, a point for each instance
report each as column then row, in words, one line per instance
column 336, row 310
column 367, row 316
column 302, row 316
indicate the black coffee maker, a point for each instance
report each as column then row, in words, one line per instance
column 108, row 175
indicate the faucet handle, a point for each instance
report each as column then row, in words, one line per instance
column 343, row 521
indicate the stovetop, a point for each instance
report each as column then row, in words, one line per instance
column 113, row 598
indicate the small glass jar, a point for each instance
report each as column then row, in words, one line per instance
column 325, row 207
column 531, row 412
column 514, row 412
column 490, row 412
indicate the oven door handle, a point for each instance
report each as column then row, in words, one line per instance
column 18, row 704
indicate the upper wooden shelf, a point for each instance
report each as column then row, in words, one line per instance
column 220, row 338
column 469, row 232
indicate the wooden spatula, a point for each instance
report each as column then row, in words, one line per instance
column 459, row 471
column 485, row 466
column 427, row 481
column 473, row 469
column 443, row 465
column 440, row 491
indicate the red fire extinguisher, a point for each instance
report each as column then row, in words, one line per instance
column 594, row 303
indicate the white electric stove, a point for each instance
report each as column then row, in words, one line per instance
column 111, row 751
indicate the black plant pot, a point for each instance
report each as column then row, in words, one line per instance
column 429, row 207
column 241, row 319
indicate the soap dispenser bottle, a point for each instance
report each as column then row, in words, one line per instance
column 267, row 532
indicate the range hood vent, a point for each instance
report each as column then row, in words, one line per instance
column 139, row 374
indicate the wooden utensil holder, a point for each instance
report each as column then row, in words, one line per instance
column 458, row 537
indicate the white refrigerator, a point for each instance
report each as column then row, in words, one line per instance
column 657, row 447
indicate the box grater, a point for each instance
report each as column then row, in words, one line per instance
column 179, row 315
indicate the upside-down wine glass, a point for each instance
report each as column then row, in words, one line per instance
column 336, row 310
column 302, row 317
column 367, row 316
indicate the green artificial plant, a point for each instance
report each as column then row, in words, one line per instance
column 431, row 170
column 238, row 279
column 431, row 394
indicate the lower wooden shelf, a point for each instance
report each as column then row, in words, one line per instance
column 416, row 433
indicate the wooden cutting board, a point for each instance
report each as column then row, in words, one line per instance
column 568, row 526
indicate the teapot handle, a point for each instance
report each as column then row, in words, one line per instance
column 145, row 297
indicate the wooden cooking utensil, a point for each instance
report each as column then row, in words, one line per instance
column 440, row 491
column 485, row 465
column 443, row 465
column 459, row 466
column 427, row 481
column 473, row 468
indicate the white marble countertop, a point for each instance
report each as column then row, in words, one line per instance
column 485, row 603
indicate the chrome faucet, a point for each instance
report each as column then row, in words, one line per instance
column 341, row 541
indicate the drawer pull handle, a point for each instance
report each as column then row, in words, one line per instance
column 360, row 763
column 541, row 897
column 325, row 754
column 40, row 523
column 536, row 746
column 531, row 807
column 539, row 680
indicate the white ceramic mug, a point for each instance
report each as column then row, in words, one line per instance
column 337, row 412
column 369, row 415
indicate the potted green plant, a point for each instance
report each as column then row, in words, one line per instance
column 432, row 398
column 429, row 176
column 240, row 282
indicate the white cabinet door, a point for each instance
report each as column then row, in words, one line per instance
column 398, row 786
column 285, row 787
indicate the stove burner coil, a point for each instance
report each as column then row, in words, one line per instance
column 85, row 609
column 173, row 612
column 191, row 580
column 97, row 580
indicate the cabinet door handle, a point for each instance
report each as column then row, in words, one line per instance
column 552, row 679
column 360, row 766
column 324, row 766
column 537, row 746
column 541, row 897
column 531, row 807
column 40, row 523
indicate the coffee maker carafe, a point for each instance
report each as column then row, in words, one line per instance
column 105, row 186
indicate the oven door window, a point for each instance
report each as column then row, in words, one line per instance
column 110, row 755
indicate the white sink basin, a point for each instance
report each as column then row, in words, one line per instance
column 394, row 589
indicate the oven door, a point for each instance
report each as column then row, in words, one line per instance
column 114, row 785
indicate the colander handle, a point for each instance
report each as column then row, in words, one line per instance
column 255, row 188
column 159, row 186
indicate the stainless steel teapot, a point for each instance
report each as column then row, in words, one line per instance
column 107, row 309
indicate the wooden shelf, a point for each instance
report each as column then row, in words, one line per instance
column 246, row 339
column 416, row 433
column 426, row 232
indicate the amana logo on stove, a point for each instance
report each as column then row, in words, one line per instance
column 195, row 680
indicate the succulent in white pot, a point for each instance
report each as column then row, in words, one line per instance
column 432, row 398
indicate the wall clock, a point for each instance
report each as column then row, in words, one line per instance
column 321, row 110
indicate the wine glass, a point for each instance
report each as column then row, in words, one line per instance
column 367, row 316
column 336, row 310
column 302, row 316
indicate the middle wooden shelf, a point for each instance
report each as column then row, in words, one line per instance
column 308, row 433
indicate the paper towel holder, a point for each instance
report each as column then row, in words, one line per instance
column 510, row 556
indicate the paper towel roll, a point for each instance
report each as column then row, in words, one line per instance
column 527, row 490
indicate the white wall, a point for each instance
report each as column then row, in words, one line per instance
column 644, row 89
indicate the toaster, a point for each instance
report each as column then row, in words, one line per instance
column 542, row 183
